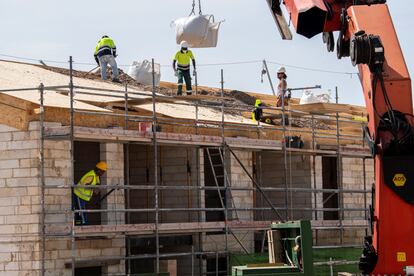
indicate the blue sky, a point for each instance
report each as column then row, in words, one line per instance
column 53, row 30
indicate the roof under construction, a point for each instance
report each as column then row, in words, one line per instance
column 101, row 104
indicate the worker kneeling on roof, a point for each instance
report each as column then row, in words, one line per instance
column 82, row 194
column 105, row 53
column 257, row 112
column 182, row 59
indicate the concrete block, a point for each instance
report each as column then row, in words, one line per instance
column 22, row 219
column 58, row 245
column 9, row 164
column 21, row 136
column 27, row 172
column 18, row 145
column 5, row 128
column 5, row 136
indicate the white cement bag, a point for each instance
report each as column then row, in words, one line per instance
column 200, row 31
column 323, row 98
column 142, row 72
column 309, row 97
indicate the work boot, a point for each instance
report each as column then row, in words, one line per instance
column 116, row 80
column 180, row 90
column 189, row 93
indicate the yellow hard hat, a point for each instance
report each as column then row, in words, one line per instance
column 258, row 102
column 102, row 166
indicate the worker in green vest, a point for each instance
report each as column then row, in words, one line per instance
column 82, row 194
column 181, row 65
column 105, row 54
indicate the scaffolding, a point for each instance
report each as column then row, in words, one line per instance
column 225, row 146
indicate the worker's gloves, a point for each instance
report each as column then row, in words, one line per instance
column 176, row 73
column 195, row 73
column 96, row 59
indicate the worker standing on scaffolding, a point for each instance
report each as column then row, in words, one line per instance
column 282, row 92
column 181, row 66
column 82, row 194
column 105, row 53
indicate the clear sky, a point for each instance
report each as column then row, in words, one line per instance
column 54, row 30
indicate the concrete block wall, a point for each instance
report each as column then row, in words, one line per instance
column 173, row 166
column 20, row 205
column 352, row 179
column 59, row 251
column 177, row 168
column 271, row 170
column 19, row 202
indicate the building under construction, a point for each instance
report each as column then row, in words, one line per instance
column 192, row 181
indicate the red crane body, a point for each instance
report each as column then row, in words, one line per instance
column 365, row 30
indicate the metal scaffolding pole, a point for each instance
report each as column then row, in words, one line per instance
column 225, row 178
column 127, row 180
column 339, row 172
column 285, row 166
column 42, row 180
column 155, row 145
column 72, row 158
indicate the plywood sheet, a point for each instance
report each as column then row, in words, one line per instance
column 52, row 99
column 15, row 75
column 176, row 110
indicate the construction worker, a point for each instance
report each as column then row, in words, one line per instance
column 82, row 194
column 105, row 53
column 257, row 112
column 182, row 59
column 282, row 87
column 283, row 94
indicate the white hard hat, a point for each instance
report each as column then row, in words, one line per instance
column 184, row 44
column 282, row 70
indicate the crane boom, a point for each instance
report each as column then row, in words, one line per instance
column 367, row 35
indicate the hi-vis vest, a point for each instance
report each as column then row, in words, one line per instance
column 105, row 46
column 183, row 59
column 89, row 179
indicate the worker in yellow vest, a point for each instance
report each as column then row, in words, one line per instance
column 82, row 194
column 105, row 54
column 257, row 112
column 181, row 65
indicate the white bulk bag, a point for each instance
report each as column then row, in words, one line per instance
column 142, row 72
column 323, row 98
column 307, row 97
column 200, row 31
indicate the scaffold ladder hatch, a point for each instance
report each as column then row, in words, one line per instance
column 219, row 172
column 221, row 168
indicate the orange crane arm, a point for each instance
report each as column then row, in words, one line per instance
column 367, row 35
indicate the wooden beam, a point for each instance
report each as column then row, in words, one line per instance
column 93, row 263
column 170, row 228
column 188, row 227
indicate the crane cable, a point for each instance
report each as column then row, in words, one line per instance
column 194, row 6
